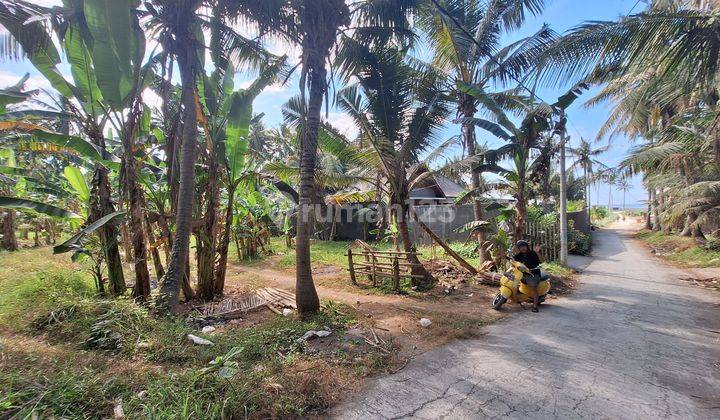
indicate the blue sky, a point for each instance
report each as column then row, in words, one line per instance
column 561, row 15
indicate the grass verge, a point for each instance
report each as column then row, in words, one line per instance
column 64, row 353
column 680, row 250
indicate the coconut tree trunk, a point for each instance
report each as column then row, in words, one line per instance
column 320, row 20
column 648, row 222
column 587, row 191
column 520, row 211
column 426, row 281
column 9, row 241
column 468, row 131
column 221, row 268
column 308, row 302
column 687, row 227
column 656, row 212
column 170, row 289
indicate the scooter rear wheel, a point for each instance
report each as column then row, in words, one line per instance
column 498, row 301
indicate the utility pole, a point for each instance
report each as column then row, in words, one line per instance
column 563, row 197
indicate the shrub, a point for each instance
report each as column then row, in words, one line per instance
column 575, row 205
column 578, row 243
column 599, row 213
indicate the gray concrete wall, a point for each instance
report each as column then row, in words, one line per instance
column 580, row 220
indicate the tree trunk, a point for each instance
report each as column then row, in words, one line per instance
column 170, row 289
column 135, row 199
column 207, row 240
column 157, row 262
column 687, row 227
column 697, row 234
column 656, row 212
column 307, row 299
column 9, row 241
column 427, row 280
column 520, row 212
column 320, row 21
column 587, row 192
column 221, row 268
column 101, row 205
column 648, row 223
column 468, row 131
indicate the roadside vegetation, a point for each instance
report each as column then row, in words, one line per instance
column 66, row 353
column 682, row 251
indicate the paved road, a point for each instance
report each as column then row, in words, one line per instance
column 632, row 342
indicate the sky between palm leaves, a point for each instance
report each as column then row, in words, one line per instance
column 561, row 15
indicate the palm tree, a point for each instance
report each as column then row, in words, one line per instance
column 465, row 37
column 529, row 145
column 586, row 159
column 174, row 23
column 399, row 110
column 624, row 186
column 315, row 26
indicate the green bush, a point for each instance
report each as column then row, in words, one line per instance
column 541, row 217
column 575, row 205
column 578, row 243
column 598, row 213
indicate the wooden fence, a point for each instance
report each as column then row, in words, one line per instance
column 548, row 237
column 377, row 264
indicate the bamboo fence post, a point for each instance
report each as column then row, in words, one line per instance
column 351, row 267
column 396, row 275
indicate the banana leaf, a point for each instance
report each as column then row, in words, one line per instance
column 77, row 181
column 24, row 204
column 74, row 243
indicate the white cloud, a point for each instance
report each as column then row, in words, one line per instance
column 344, row 123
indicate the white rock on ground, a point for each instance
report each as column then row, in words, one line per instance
column 287, row 312
column 425, row 322
column 199, row 340
column 208, row 329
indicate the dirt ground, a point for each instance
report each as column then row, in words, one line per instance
column 458, row 307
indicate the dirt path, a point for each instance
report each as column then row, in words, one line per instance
column 632, row 342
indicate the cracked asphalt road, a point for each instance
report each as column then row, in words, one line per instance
column 632, row 342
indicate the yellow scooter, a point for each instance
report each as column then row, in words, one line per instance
column 512, row 288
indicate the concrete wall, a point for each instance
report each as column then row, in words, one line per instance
column 444, row 220
column 580, row 220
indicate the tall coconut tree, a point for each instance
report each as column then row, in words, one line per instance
column 400, row 110
column 314, row 26
column 528, row 146
column 586, row 159
column 465, row 36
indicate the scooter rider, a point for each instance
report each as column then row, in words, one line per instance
column 531, row 258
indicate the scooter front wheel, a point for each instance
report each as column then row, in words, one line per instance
column 498, row 301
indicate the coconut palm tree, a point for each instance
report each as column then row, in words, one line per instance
column 399, row 110
column 315, row 26
column 465, row 36
column 586, row 160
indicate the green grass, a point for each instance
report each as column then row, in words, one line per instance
column 67, row 353
column 680, row 250
column 334, row 253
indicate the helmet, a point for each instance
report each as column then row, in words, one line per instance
column 521, row 243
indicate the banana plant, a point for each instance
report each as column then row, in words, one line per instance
column 227, row 116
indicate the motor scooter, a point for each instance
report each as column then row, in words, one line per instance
column 512, row 288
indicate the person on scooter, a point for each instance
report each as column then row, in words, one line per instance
column 531, row 258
